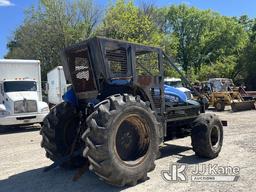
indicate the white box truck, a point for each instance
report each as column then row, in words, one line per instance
column 21, row 93
column 57, row 85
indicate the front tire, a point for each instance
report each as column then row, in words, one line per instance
column 207, row 135
column 122, row 140
column 58, row 133
column 220, row 105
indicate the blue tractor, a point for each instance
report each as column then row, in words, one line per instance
column 119, row 111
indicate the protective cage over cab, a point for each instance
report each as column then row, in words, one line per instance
column 125, row 111
column 98, row 61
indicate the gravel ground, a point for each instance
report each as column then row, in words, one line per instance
column 22, row 162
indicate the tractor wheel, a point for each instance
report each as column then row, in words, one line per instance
column 122, row 140
column 206, row 106
column 59, row 131
column 207, row 135
column 219, row 105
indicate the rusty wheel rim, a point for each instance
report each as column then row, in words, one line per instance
column 132, row 140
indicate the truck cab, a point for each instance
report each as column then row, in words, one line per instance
column 21, row 99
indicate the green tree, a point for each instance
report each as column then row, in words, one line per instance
column 125, row 21
column 50, row 27
column 204, row 37
column 247, row 60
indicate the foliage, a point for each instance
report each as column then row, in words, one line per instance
column 222, row 68
column 203, row 36
column 127, row 22
column 204, row 43
column 50, row 27
column 247, row 60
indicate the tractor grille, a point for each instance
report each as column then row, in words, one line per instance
column 25, row 106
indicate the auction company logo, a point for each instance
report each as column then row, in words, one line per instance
column 201, row 173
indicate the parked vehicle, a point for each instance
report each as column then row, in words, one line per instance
column 177, row 83
column 118, row 112
column 222, row 92
column 20, row 92
column 57, row 85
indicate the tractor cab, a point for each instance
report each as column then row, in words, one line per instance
column 123, row 111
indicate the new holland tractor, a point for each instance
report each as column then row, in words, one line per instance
column 119, row 111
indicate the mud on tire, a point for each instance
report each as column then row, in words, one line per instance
column 207, row 135
column 122, row 140
column 58, row 133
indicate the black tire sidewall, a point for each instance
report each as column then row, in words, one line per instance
column 100, row 137
column 153, row 145
column 54, row 134
column 211, row 126
column 201, row 133
column 220, row 105
column 62, row 129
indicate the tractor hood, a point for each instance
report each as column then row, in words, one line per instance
column 183, row 89
column 169, row 90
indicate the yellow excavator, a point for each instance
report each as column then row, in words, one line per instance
column 221, row 92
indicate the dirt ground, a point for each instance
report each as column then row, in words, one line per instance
column 22, row 161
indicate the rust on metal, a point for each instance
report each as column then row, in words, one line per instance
column 145, row 80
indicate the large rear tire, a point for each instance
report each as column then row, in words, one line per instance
column 122, row 140
column 58, row 133
column 207, row 135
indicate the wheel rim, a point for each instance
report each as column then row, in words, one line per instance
column 218, row 106
column 215, row 137
column 132, row 140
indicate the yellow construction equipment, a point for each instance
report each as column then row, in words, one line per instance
column 221, row 92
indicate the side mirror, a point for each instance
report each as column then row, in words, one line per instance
column 2, row 107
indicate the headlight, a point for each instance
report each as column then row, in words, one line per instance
column 45, row 110
column 189, row 95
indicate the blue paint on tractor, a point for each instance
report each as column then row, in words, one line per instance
column 119, row 82
column 70, row 97
column 170, row 94
column 172, row 91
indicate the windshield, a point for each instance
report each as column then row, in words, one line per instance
column 222, row 85
column 174, row 83
column 14, row 86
